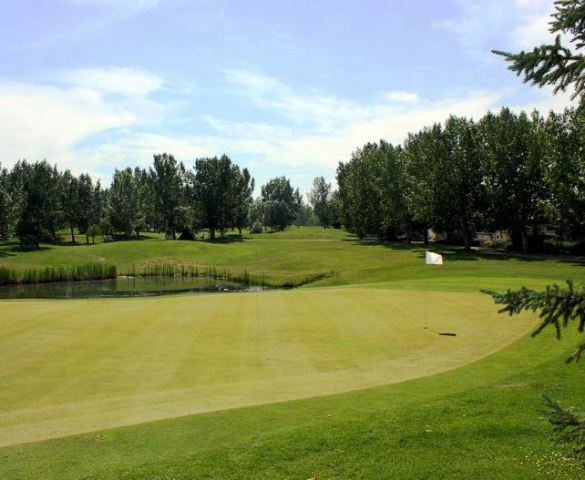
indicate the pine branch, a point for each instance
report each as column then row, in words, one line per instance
column 549, row 65
column 576, row 356
column 557, row 307
column 568, row 424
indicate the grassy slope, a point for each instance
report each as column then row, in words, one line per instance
column 306, row 251
column 479, row 421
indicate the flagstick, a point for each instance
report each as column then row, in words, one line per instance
column 426, row 306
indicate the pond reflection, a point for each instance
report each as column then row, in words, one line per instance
column 122, row 287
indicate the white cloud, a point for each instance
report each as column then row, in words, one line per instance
column 401, row 96
column 479, row 24
column 120, row 80
column 46, row 122
column 310, row 109
column 311, row 132
column 533, row 24
column 42, row 121
column 533, row 31
column 476, row 20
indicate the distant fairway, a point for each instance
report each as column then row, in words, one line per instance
column 79, row 366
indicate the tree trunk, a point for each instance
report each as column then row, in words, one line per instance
column 212, row 233
column 72, row 234
column 467, row 239
column 524, row 236
column 535, row 236
column 174, row 234
column 426, row 235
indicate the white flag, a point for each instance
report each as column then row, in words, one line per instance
column 433, row 258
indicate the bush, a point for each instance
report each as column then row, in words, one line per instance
column 256, row 228
column 93, row 231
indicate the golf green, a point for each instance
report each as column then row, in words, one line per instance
column 69, row 367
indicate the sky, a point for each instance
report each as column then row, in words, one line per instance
column 282, row 87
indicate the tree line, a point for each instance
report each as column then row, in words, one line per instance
column 520, row 173
column 37, row 201
column 515, row 172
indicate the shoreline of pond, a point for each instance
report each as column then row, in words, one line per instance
column 124, row 286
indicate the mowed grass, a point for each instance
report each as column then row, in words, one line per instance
column 331, row 382
column 72, row 367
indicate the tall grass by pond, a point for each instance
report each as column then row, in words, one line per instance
column 61, row 273
column 99, row 271
column 243, row 277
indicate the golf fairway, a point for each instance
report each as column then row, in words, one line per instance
column 77, row 366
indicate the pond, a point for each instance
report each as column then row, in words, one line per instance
column 123, row 287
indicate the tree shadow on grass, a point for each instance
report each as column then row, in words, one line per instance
column 11, row 251
column 453, row 253
column 130, row 238
column 232, row 238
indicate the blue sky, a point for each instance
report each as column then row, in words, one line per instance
column 282, row 87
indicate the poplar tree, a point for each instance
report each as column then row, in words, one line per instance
column 213, row 189
column 281, row 203
column 7, row 207
column 320, row 199
column 70, row 201
column 124, row 202
column 167, row 177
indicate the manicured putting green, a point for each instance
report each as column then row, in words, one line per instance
column 79, row 366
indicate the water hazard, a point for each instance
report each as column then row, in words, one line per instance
column 123, row 287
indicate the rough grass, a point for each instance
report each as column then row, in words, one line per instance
column 71, row 362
